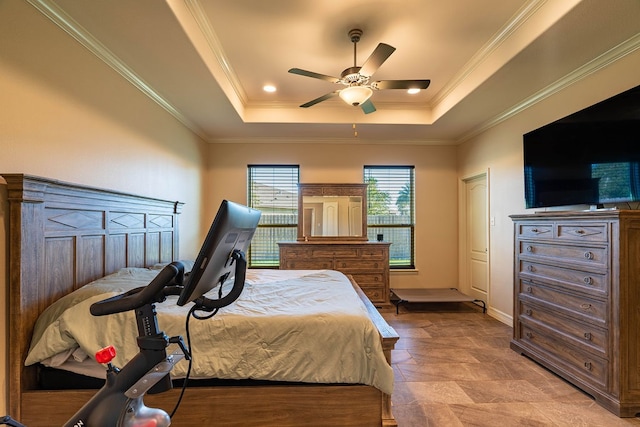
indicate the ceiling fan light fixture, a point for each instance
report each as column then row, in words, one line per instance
column 355, row 95
column 413, row 90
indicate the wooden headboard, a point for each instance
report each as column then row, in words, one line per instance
column 63, row 236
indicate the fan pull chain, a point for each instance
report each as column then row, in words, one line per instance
column 355, row 132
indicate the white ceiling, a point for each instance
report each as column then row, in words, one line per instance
column 206, row 61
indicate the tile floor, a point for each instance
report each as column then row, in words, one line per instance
column 454, row 367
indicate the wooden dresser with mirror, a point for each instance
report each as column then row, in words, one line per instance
column 332, row 234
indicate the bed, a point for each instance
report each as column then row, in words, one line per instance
column 63, row 236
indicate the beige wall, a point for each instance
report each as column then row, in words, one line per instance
column 436, row 191
column 66, row 115
column 499, row 150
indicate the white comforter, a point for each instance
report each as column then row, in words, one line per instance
column 287, row 325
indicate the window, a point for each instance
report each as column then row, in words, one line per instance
column 272, row 189
column 391, row 210
column 617, row 182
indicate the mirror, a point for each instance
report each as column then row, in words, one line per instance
column 332, row 211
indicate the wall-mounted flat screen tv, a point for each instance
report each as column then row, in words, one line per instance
column 591, row 157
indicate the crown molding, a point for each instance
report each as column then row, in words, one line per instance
column 499, row 38
column 604, row 60
column 326, row 141
column 59, row 17
column 200, row 17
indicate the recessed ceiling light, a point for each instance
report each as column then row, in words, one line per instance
column 413, row 91
column 269, row 88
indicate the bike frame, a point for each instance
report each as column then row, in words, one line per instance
column 118, row 397
column 119, row 403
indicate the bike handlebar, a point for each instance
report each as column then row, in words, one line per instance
column 136, row 298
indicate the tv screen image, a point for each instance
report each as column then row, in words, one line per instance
column 591, row 157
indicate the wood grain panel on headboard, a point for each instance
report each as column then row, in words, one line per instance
column 63, row 236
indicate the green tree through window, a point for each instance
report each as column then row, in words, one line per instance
column 378, row 201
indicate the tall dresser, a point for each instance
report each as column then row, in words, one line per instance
column 366, row 262
column 577, row 300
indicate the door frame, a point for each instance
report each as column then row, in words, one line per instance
column 463, row 276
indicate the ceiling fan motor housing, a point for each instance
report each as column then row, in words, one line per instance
column 352, row 75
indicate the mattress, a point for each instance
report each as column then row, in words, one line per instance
column 305, row 326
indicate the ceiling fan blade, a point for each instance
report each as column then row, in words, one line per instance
column 368, row 106
column 314, row 75
column 379, row 55
column 320, row 99
column 401, row 84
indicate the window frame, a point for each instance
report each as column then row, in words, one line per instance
column 272, row 256
column 409, row 226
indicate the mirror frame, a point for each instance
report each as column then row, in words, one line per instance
column 332, row 190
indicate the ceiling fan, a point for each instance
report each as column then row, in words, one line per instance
column 358, row 87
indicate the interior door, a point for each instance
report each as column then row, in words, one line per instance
column 477, row 246
column 330, row 218
column 355, row 219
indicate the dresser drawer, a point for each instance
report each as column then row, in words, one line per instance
column 374, row 294
column 337, row 253
column 589, row 232
column 293, row 253
column 373, row 253
column 585, row 257
column 367, row 280
column 530, row 230
column 584, row 335
column 306, row 264
column 582, row 364
column 348, row 265
column 580, row 307
column 589, row 282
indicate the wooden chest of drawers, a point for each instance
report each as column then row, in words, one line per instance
column 577, row 300
column 366, row 262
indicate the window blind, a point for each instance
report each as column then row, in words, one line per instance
column 391, row 210
column 272, row 189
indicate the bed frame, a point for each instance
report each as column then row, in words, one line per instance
column 63, row 236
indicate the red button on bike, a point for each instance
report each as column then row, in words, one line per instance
column 106, row 354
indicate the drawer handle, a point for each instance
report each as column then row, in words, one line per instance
column 534, row 230
column 588, row 255
column 587, row 366
column 528, row 312
column 375, row 265
column 531, row 268
column 529, row 289
column 529, row 248
column 588, row 280
column 580, row 231
column 585, row 306
column 529, row 335
column 587, row 336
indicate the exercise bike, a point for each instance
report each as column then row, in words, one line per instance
column 119, row 403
